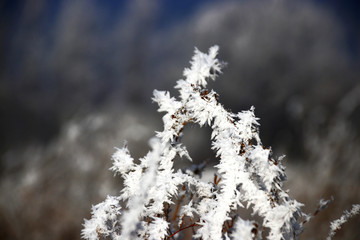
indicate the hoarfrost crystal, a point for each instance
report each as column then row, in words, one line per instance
column 161, row 202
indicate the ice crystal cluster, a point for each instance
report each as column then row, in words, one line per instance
column 336, row 224
column 159, row 202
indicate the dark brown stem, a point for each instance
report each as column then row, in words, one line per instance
column 192, row 225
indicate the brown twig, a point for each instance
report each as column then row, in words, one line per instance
column 192, row 225
column 177, row 208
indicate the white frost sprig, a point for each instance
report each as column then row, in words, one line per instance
column 244, row 229
column 336, row 224
column 104, row 221
column 136, row 202
column 247, row 175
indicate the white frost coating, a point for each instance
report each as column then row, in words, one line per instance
column 243, row 229
column 137, row 201
column 187, row 210
column 104, row 221
column 158, row 229
column 246, row 175
column 201, row 64
column 336, row 224
column 122, row 161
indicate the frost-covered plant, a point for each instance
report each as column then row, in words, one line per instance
column 161, row 203
column 336, row 224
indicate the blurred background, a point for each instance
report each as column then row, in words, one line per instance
column 76, row 80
